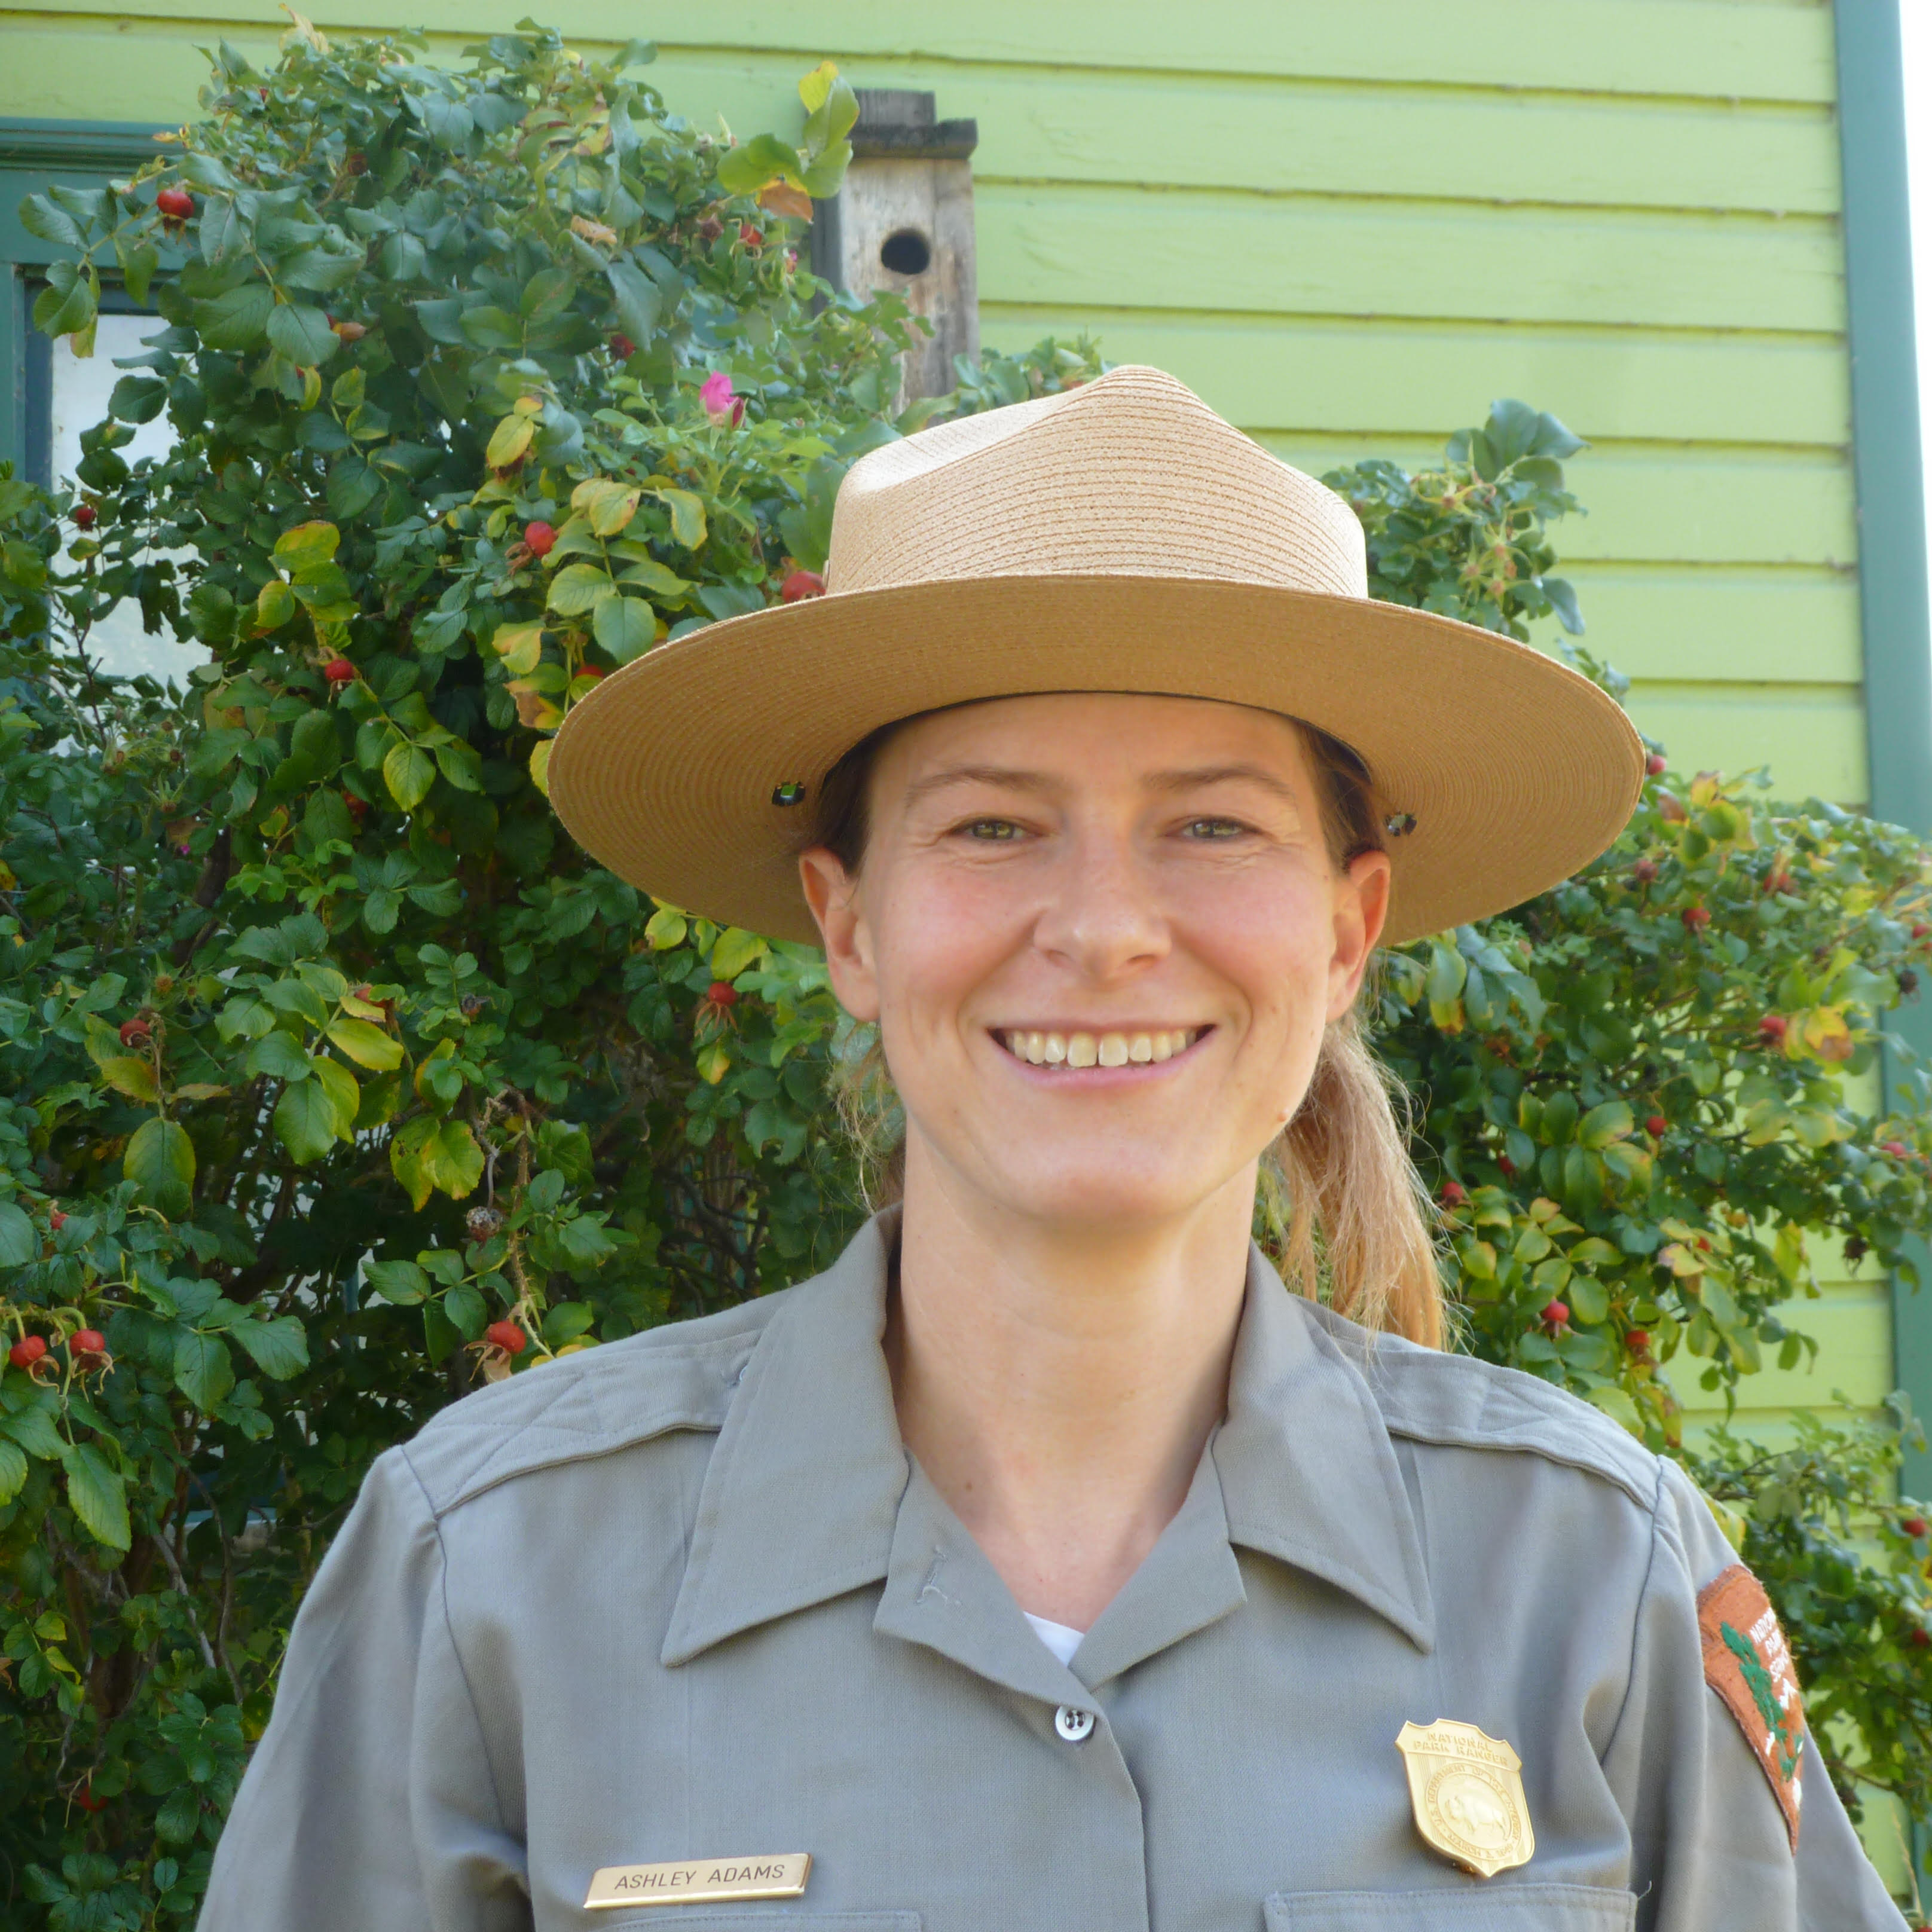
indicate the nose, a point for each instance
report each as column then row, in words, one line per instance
column 1104, row 919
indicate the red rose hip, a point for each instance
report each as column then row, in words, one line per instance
column 1655, row 1126
column 1655, row 765
column 339, row 671
column 176, row 203
column 508, row 1337
column 85, row 516
column 25, row 1353
column 1454, row 1194
column 801, row 584
column 135, row 1032
column 87, row 1345
column 1913, row 1526
column 541, row 538
column 1556, row 1314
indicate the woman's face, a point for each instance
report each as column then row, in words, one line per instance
column 1101, row 936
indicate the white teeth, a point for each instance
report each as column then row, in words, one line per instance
column 1106, row 1049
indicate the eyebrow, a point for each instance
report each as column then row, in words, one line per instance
column 1188, row 778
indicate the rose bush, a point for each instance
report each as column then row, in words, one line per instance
column 335, row 1079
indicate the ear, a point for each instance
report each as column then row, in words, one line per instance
column 1361, row 911
column 832, row 894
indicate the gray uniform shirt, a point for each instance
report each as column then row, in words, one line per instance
column 687, row 1597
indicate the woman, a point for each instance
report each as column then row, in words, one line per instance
column 1045, row 1563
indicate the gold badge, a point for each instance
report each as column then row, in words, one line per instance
column 698, row 1881
column 1467, row 1789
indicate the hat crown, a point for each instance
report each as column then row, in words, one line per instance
column 1131, row 475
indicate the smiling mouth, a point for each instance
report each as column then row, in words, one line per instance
column 1097, row 1049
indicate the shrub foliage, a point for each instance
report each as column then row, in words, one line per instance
column 335, row 1080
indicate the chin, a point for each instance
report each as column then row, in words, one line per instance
column 1114, row 1193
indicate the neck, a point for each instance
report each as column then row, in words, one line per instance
column 1058, row 1384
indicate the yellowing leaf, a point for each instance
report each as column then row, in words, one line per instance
column 687, row 515
column 1827, row 1034
column 540, row 766
column 275, row 605
column 666, row 927
column 593, row 231
column 131, row 1076
column 508, row 440
column 610, row 505
column 519, row 646
column 366, row 1045
column 307, row 544
column 782, row 198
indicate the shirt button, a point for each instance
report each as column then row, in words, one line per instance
column 1075, row 1726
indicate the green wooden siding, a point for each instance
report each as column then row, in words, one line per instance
column 1349, row 228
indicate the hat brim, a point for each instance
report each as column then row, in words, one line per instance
column 1515, row 770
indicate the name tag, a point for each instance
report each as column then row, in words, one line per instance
column 698, row 1881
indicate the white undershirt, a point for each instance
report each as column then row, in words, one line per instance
column 1062, row 1640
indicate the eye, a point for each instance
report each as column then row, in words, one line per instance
column 990, row 831
column 1213, row 829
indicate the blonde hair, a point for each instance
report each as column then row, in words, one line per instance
column 1343, row 1213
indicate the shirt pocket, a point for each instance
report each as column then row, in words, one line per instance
column 1515, row 1908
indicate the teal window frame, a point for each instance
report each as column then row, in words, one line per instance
column 34, row 155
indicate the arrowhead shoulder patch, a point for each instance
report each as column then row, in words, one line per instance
column 1748, row 1663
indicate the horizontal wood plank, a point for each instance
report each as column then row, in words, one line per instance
column 1722, row 626
column 1375, row 377
column 1812, row 737
column 1747, row 52
column 1116, row 248
column 1663, row 505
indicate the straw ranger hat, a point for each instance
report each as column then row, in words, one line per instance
column 1119, row 538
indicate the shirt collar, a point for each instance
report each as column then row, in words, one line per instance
column 803, row 1497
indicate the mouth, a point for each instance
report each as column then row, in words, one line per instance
column 1075, row 1049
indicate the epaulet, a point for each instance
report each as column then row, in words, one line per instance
column 680, row 1376
column 1431, row 1395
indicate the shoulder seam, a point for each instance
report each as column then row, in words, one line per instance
column 500, row 1465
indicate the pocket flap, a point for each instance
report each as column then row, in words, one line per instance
column 1488, row 1908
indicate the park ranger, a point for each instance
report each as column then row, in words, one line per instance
column 1048, row 1564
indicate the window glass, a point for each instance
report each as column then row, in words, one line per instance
column 77, row 399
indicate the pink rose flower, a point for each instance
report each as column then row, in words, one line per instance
column 722, row 403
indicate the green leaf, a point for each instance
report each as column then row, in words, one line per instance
column 402, row 1282
column 159, row 1161
column 40, row 218
column 640, row 306
column 19, row 1239
column 278, row 1055
column 305, row 1120
column 302, row 334
column 461, row 764
column 409, row 772
column 430, row 1154
column 576, row 588
column 279, row 1346
column 764, row 159
column 237, row 319
column 33, row 1428
column 367, row 1044
column 625, row 627
column 1612, row 1121
column 736, row 950
column 98, row 1495
column 203, row 1371
column 67, row 305
column 139, row 259
column 12, row 1471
